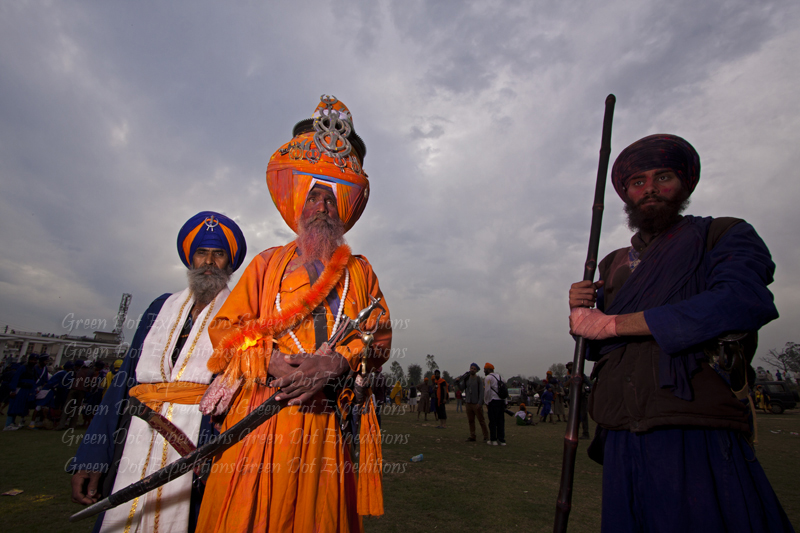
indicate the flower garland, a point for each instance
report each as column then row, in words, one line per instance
column 338, row 315
column 229, row 350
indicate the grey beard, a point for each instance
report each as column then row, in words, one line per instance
column 206, row 287
column 319, row 237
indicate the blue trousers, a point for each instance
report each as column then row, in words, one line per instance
column 684, row 480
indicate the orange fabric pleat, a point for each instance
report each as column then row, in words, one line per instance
column 370, row 467
column 292, row 473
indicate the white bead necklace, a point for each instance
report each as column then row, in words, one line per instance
column 338, row 314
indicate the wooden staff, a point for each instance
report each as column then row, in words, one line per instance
column 564, row 503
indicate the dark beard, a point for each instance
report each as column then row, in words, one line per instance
column 657, row 218
column 319, row 236
column 206, row 287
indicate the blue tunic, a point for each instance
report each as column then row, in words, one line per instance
column 24, row 382
column 690, row 295
column 547, row 402
column 59, row 386
column 683, row 478
column 96, row 452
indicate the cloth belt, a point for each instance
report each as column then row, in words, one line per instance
column 154, row 395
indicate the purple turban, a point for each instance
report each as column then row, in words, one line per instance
column 656, row 151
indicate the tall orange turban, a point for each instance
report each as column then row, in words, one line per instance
column 324, row 149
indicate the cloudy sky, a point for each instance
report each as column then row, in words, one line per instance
column 482, row 120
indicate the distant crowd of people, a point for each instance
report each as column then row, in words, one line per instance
column 52, row 397
column 472, row 392
column 766, row 375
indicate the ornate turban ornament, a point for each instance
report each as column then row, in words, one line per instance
column 208, row 229
column 656, row 151
column 324, row 150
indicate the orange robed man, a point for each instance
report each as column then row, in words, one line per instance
column 294, row 473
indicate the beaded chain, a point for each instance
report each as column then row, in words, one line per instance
column 196, row 338
column 129, row 522
column 338, row 314
column 160, row 489
column 194, row 343
column 132, row 513
column 169, row 339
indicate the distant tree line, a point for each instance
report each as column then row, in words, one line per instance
column 785, row 360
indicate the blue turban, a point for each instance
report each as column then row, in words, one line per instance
column 208, row 229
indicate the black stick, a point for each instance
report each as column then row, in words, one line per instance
column 217, row 444
column 564, row 504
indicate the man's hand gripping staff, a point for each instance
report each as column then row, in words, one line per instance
column 564, row 502
column 588, row 323
column 218, row 397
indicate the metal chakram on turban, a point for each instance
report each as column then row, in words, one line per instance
column 208, row 229
column 324, row 151
column 656, row 151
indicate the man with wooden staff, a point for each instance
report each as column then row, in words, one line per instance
column 165, row 369
column 672, row 410
column 295, row 472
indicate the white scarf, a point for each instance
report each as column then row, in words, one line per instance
column 170, row 509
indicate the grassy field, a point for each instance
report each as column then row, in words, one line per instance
column 459, row 486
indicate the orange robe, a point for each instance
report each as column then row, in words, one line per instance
column 291, row 474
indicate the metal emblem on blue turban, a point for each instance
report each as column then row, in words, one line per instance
column 199, row 231
column 211, row 222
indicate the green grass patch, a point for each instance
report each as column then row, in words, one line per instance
column 459, row 486
column 471, row 487
column 34, row 461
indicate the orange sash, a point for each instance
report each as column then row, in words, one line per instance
column 154, row 395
